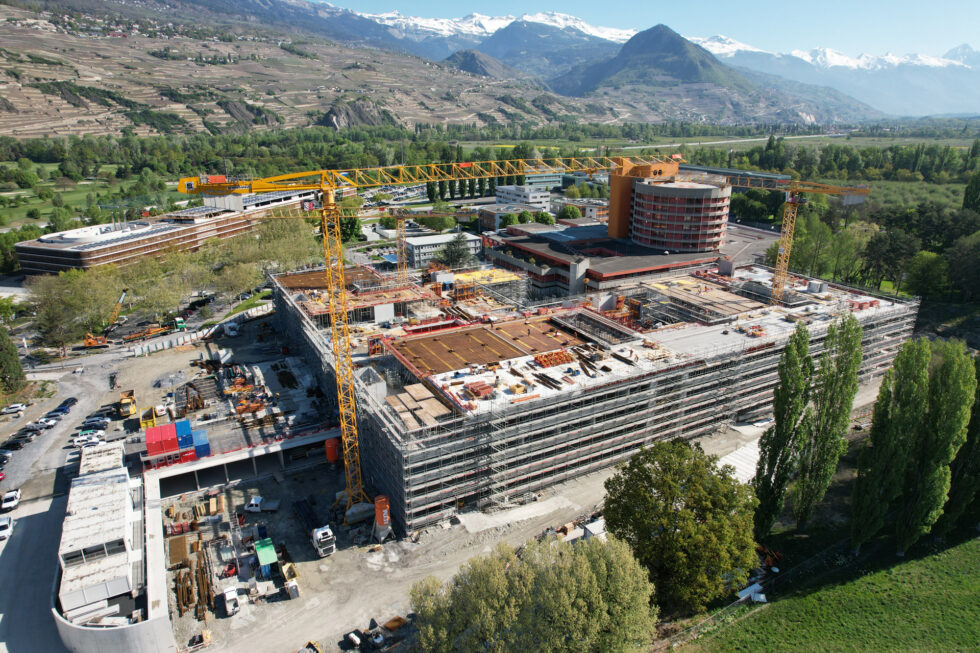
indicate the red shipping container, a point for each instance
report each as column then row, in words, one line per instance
column 187, row 456
column 168, row 436
column 154, row 444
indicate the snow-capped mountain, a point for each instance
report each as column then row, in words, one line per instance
column 911, row 84
column 472, row 25
column 483, row 26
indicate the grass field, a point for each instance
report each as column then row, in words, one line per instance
column 926, row 604
column 74, row 194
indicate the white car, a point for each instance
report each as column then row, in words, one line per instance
column 11, row 499
column 14, row 408
column 82, row 440
column 91, row 443
column 47, row 422
column 6, row 527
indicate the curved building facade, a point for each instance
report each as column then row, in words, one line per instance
column 680, row 216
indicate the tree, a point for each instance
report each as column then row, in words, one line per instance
column 12, row 376
column 60, row 308
column 688, row 522
column 778, row 449
column 928, row 275
column 508, row 219
column 456, row 253
column 823, row 443
column 430, row 190
column 952, row 384
column 964, row 265
column 543, row 217
column 971, row 194
column 442, row 191
column 573, row 193
column 569, row 212
column 524, row 217
column 593, row 596
column 964, row 484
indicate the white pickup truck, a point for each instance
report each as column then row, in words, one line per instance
column 260, row 504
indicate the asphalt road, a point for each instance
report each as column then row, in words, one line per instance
column 28, row 562
column 29, row 558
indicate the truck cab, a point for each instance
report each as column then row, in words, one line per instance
column 323, row 541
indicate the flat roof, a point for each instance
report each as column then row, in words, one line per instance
column 101, row 458
column 607, row 257
column 97, row 510
column 439, row 239
column 509, row 208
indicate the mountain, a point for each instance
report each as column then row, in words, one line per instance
column 481, row 64
column 662, row 72
column 545, row 50
column 658, row 56
column 912, row 84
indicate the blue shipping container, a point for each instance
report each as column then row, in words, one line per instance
column 200, row 437
column 183, row 427
column 202, row 450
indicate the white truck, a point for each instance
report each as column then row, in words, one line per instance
column 261, row 504
column 321, row 536
column 231, row 601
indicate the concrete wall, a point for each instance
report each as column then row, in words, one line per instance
column 153, row 636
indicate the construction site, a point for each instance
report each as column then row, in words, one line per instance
column 480, row 412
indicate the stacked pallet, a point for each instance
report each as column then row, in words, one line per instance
column 417, row 406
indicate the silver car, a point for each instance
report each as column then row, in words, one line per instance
column 6, row 527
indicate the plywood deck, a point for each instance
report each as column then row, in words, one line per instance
column 447, row 351
column 536, row 336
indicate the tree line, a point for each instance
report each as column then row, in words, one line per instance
column 934, row 163
column 930, row 250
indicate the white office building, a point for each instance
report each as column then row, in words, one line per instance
column 422, row 249
column 539, row 198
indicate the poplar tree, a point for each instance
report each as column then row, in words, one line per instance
column 777, row 447
column 964, row 484
column 952, row 384
column 899, row 412
column 823, row 443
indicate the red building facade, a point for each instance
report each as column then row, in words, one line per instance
column 680, row 216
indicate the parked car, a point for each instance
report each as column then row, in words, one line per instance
column 82, row 440
column 14, row 408
column 95, row 433
column 2, row 476
column 90, row 443
column 11, row 499
column 47, row 422
column 33, row 426
column 25, row 436
column 70, row 401
column 12, row 445
column 6, row 527
column 56, row 416
column 95, row 423
column 5, row 456
column 61, row 410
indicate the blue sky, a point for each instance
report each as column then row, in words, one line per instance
column 851, row 26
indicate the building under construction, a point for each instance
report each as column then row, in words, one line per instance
column 479, row 402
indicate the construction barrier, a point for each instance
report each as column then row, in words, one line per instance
column 178, row 340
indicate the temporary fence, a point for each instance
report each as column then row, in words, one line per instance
column 188, row 338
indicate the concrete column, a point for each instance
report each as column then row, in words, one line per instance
column 255, row 467
column 197, row 482
column 224, row 467
column 282, row 460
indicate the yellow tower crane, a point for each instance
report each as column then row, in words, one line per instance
column 795, row 197
column 328, row 182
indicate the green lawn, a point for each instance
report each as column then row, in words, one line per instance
column 926, row 604
column 251, row 302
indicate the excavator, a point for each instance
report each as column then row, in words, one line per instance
column 101, row 341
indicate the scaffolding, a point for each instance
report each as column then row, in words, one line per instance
column 489, row 452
